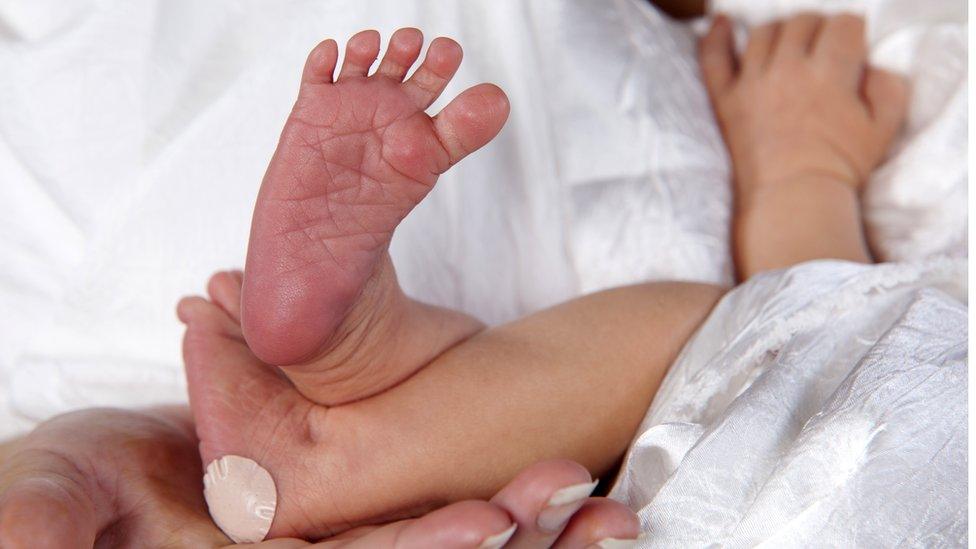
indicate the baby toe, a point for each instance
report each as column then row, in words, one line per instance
column 224, row 289
column 361, row 51
column 402, row 53
column 471, row 120
column 321, row 63
column 442, row 61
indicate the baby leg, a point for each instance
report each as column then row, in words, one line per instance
column 570, row 382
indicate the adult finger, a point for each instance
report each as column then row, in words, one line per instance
column 602, row 523
column 47, row 501
column 543, row 498
column 463, row 525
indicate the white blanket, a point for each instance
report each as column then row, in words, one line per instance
column 134, row 133
column 822, row 406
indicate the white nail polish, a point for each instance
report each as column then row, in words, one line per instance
column 563, row 504
column 498, row 540
column 615, row 543
column 241, row 497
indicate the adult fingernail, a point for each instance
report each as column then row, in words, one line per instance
column 498, row 540
column 615, row 543
column 563, row 505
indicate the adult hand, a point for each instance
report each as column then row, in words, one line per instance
column 517, row 517
column 124, row 478
column 121, row 478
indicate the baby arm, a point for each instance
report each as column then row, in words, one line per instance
column 805, row 121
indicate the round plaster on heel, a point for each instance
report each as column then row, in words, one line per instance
column 241, row 496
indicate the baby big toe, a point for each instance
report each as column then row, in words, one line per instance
column 471, row 120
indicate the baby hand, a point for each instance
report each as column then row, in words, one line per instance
column 801, row 103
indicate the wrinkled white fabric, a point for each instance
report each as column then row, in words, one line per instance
column 821, row 406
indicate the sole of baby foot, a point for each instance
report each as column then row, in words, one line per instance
column 357, row 154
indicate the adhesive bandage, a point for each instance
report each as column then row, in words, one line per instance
column 241, row 496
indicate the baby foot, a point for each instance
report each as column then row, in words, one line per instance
column 357, row 154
